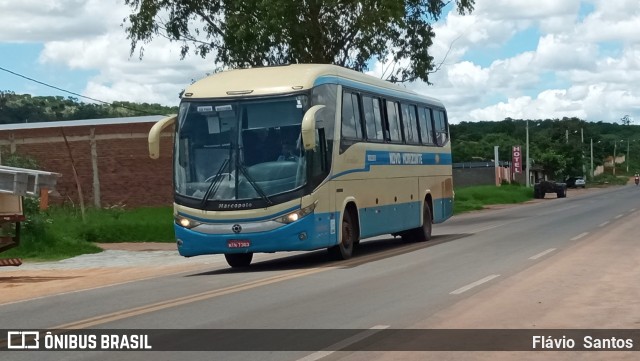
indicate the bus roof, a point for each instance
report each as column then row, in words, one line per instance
column 290, row 78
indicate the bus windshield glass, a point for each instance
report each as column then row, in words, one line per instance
column 239, row 150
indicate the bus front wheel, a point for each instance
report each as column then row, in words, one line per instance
column 238, row 260
column 349, row 237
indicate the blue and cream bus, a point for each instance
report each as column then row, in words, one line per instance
column 304, row 157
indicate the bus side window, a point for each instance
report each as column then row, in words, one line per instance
column 426, row 126
column 372, row 118
column 442, row 131
column 393, row 121
column 351, row 124
column 410, row 123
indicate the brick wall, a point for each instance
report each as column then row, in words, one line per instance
column 123, row 173
column 464, row 177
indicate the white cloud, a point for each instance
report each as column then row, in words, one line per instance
column 525, row 9
column 467, row 74
column 594, row 102
column 514, row 73
column 157, row 78
column 561, row 52
column 87, row 35
column 458, row 33
column 614, row 11
column 549, row 104
column 597, row 29
column 40, row 21
column 598, row 76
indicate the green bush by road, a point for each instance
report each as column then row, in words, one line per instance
column 60, row 233
column 609, row 179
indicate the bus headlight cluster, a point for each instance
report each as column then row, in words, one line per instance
column 186, row 222
column 295, row 215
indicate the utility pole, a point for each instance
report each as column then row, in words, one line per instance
column 627, row 160
column 566, row 135
column 584, row 176
column 495, row 158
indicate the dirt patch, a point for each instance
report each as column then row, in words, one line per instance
column 12, row 281
column 21, row 285
column 120, row 263
column 139, row 246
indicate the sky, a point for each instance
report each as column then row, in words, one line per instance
column 521, row 59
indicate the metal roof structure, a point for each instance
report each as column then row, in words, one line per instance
column 82, row 122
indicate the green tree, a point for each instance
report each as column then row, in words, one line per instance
column 626, row 120
column 248, row 33
column 554, row 164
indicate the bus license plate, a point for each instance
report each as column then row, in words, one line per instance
column 238, row 243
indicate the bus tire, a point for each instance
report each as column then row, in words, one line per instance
column 423, row 234
column 239, row 260
column 349, row 238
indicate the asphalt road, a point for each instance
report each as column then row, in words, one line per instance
column 388, row 284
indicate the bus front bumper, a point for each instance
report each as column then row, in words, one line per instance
column 308, row 233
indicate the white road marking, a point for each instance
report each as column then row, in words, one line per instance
column 344, row 343
column 542, row 253
column 603, row 224
column 472, row 285
column 619, row 216
column 579, row 236
column 632, row 210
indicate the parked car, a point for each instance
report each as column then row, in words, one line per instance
column 575, row 182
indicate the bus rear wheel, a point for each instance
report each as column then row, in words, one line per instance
column 423, row 233
column 349, row 237
column 239, row 260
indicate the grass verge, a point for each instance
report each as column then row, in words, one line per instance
column 60, row 233
column 476, row 197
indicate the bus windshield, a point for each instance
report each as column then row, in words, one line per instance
column 239, row 150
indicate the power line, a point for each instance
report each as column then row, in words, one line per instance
column 76, row 94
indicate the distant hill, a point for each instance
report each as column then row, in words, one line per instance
column 561, row 146
column 24, row 108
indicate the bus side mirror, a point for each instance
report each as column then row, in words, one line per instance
column 154, row 135
column 309, row 127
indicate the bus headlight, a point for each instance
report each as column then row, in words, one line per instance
column 186, row 222
column 295, row 215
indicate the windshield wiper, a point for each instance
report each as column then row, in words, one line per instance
column 255, row 185
column 215, row 183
